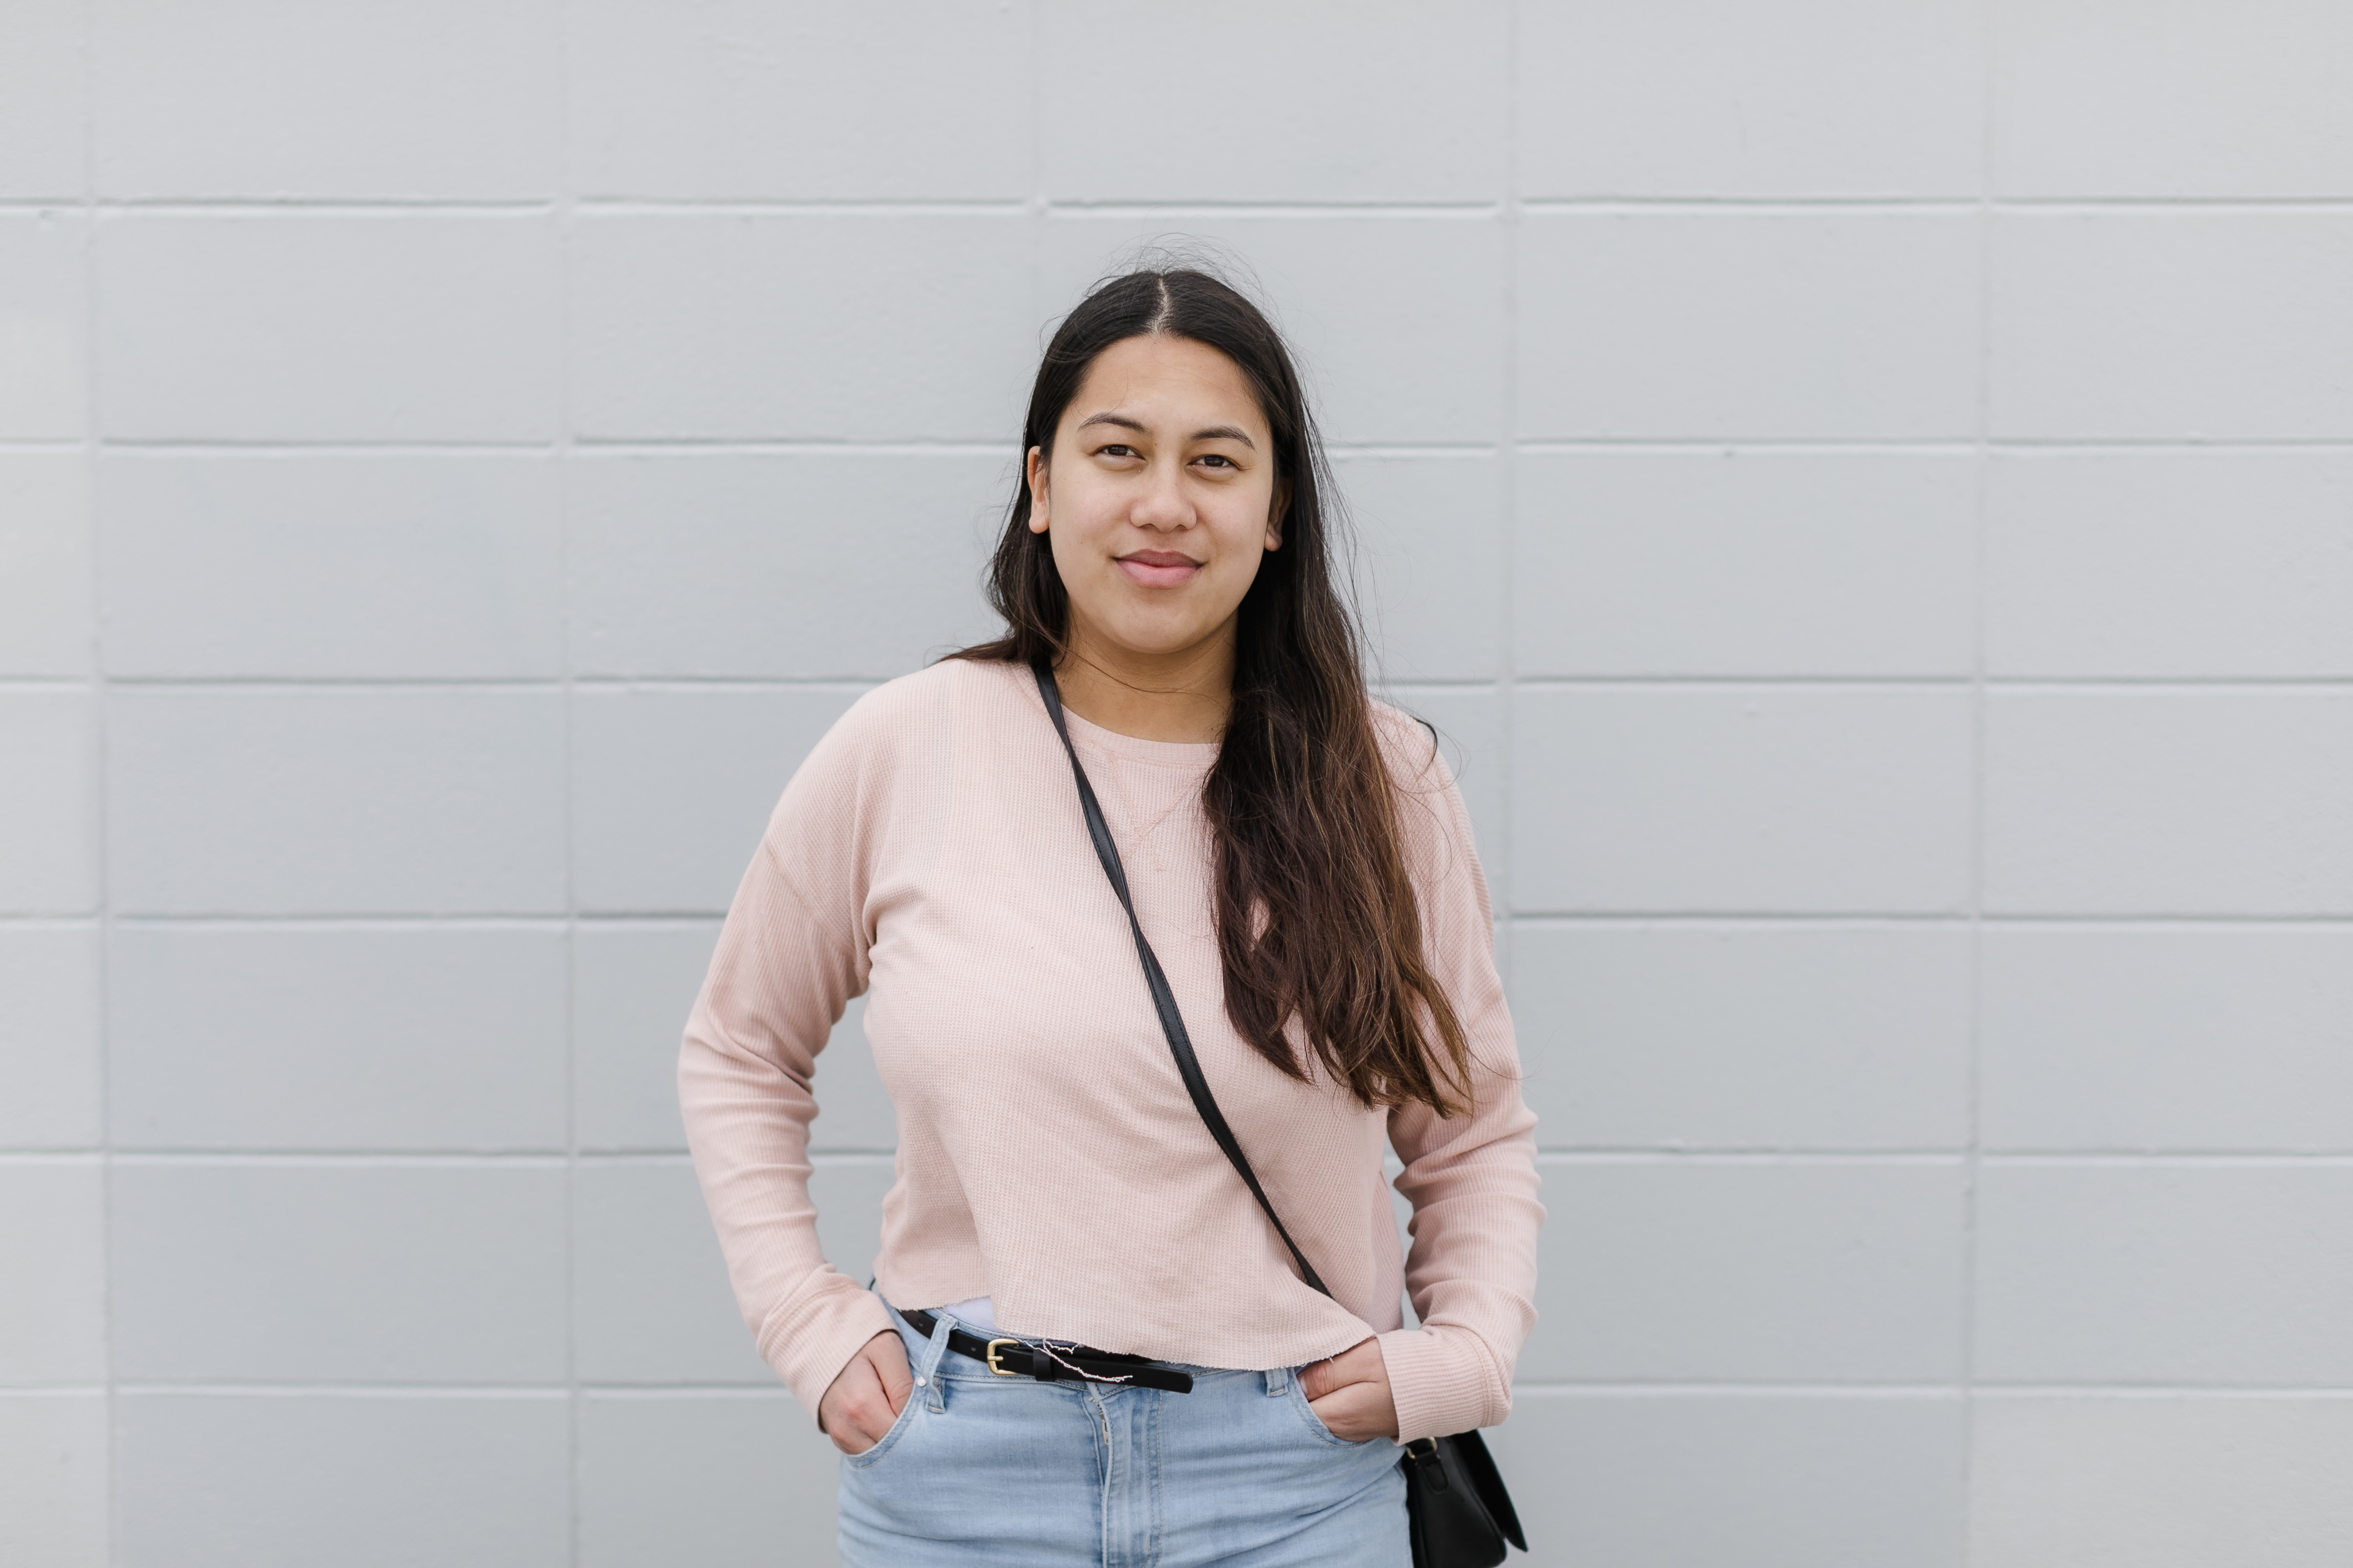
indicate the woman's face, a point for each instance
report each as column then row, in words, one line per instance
column 1161, row 499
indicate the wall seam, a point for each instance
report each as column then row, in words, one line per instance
column 564, row 209
column 1979, row 589
column 111, row 1511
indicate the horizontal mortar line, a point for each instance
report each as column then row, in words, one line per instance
column 2169, row 1159
column 1921, row 445
column 1753, row 918
column 554, row 921
column 324, row 206
column 1810, row 203
column 624, row 1391
column 1958, row 919
column 287, row 685
column 1672, row 1388
column 44, row 443
column 1745, row 1153
column 2091, row 445
column 1952, row 1157
column 2317, row 918
column 2010, row 1390
column 475, row 918
column 2101, row 683
column 847, row 682
column 215, row 446
column 13, row 1390
column 2207, row 918
column 2088, row 684
column 623, row 918
column 1473, row 210
column 1953, row 917
column 1702, row 682
column 1768, row 206
column 324, row 1390
column 765, row 446
column 721, row 207
column 534, row 685
column 1413, row 449
column 1780, row 917
column 543, row 1159
column 19, row 920
column 2154, row 204
column 548, row 1159
column 843, row 685
column 820, row 1154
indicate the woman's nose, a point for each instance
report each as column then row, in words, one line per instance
column 1163, row 505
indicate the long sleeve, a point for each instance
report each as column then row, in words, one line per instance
column 1472, row 1179
column 931, row 855
column 793, row 952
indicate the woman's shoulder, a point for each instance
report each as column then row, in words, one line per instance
column 1409, row 746
column 1432, row 814
column 914, row 711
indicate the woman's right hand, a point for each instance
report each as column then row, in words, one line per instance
column 867, row 1395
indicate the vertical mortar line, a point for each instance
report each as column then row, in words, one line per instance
column 1971, row 1163
column 1038, row 204
column 1507, row 481
column 563, row 481
column 97, row 693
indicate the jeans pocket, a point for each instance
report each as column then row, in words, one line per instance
column 888, row 1439
column 1314, row 1423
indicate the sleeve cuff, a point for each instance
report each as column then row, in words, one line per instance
column 809, row 1343
column 1442, row 1383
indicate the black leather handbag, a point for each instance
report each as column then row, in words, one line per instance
column 1456, row 1507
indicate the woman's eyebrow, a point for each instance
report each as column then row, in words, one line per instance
column 1214, row 433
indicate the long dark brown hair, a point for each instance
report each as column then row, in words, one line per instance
column 1316, row 916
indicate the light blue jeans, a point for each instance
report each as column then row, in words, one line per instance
column 985, row 1469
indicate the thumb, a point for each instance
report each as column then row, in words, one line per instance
column 889, row 1354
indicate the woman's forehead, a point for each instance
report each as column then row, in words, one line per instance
column 1156, row 380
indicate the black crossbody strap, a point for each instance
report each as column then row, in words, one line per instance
column 1171, row 1022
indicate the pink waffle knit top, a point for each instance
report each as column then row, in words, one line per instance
column 931, row 853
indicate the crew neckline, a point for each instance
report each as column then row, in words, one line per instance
column 1195, row 754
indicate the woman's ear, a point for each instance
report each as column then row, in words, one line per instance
column 1278, row 511
column 1034, row 468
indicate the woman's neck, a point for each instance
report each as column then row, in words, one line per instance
column 1182, row 696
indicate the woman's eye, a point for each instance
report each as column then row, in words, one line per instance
column 1115, row 450
column 1220, row 460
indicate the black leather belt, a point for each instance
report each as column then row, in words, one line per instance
column 1059, row 1364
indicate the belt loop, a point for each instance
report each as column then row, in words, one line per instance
column 927, row 1361
column 934, row 1352
column 1278, row 1382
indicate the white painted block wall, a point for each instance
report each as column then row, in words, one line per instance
column 1866, row 489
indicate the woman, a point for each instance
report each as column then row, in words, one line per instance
column 1301, row 865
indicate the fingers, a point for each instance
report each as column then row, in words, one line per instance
column 888, row 1353
column 856, row 1412
column 1356, row 1412
column 867, row 1395
column 1360, row 1363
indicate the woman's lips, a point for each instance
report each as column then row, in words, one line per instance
column 1158, row 568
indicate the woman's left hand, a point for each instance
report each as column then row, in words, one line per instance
column 1350, row 1392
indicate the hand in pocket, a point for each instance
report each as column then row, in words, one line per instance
column 866, row 1397
column 1350, row 1393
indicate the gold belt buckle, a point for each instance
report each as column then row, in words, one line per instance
column 992, row 1358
